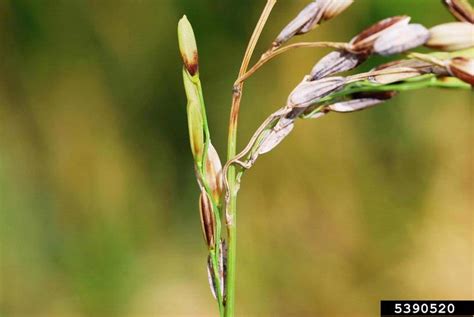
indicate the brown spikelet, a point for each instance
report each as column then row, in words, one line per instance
column 208, row 221
column 461, row 10
column 214, row 172
column 306, row 17
column 365, row 40
column 462, row 68
column 310, row 17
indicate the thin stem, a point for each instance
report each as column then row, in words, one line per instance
column 231, row 194
column 272, row 53
column 429, row 82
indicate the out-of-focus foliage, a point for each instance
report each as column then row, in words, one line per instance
column 98, row 203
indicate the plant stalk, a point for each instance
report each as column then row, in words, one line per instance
column 232, row 186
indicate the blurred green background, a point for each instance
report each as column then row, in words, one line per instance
column 98, row 201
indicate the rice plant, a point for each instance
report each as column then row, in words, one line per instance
column 321, row 92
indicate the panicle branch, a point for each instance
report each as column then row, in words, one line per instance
column 318, row 94
column 321, row 92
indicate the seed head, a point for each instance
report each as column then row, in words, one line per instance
column 354, row 105
column 365, row 40
column 462, row 68
column 274, row 136
column 214, row 172
column 309, row 92
column 187, row 46
column 195, row 117
column 336, row 62
column 401, row 39
column 208, row 221
column 310, row 17
column 461, row 10
column 303, row 20
column 451, row 36
column 335, row 7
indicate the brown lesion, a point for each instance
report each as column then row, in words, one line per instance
column 192, row 65
column 382, row 95
column 196, row 145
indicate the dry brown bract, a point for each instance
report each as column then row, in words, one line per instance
column 462, row 68
column 461, row 10
column 208, row 221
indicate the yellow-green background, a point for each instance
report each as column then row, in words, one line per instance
column 98, row 201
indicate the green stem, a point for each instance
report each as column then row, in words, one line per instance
column 232, row 246
column 230, row 218
column 425, row 81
